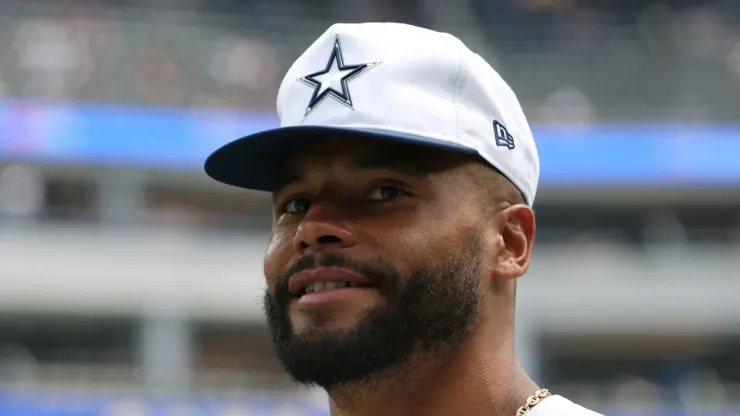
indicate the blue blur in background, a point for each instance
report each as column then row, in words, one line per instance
column 39, row 405
column 54, row 405
column 597, row 155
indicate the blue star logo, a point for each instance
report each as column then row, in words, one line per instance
column 333, row 79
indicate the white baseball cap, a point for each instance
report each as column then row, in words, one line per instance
column 388, row 81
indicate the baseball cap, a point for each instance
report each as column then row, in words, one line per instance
column 388, row 81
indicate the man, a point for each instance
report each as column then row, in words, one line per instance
column 403, row 176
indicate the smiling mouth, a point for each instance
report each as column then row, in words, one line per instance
column 318, row 287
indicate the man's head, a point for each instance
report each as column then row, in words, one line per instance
column 435, row 234
column 403, row 174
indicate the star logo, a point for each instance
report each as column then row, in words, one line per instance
column 333, row 79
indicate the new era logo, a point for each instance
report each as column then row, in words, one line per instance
column 503, row 138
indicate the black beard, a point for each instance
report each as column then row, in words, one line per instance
column 427, row 315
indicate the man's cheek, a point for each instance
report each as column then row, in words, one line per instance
column 278, row 252
column 280, row 236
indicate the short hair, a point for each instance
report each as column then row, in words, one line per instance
column 497, row 190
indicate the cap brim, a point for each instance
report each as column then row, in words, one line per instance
column 255, row 161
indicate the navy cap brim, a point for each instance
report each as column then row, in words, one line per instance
column 255, row 161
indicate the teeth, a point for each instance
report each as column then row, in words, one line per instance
column 322, row 286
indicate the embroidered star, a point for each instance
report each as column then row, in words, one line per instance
column 332, row 80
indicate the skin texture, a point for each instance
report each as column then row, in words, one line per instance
column 442, row 238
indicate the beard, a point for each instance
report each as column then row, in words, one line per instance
column 425, row 316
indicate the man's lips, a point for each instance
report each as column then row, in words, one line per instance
column 325, row 278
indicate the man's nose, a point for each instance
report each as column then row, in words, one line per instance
column 323, row 229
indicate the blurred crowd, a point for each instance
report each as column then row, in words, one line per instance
column 569, row 61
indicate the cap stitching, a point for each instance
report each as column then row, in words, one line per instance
column 458, row 82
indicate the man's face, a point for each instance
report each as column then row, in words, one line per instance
column 376, row 257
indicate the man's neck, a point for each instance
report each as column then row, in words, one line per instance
column 482, row 378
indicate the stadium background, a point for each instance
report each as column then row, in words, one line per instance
column 130, row 283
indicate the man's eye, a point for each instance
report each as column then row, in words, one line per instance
column 297, row 206
column 384, row 193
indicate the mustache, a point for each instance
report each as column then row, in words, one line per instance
column 373, row 272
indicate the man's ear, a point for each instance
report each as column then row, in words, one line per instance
column 517, row 228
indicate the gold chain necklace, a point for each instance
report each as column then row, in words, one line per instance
column 532, row 401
